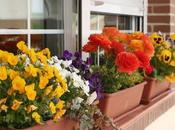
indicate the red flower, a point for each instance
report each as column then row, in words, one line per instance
column 100, row 40
column 118, row 47
column 143, row 58
column 90, row 47
column 149, row 69
column 110, row 32
column 127, row 62
column 148, row 46
column 114, row 35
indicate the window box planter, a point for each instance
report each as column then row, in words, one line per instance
column 116, row 104
column 154, row 88
column 63, row 124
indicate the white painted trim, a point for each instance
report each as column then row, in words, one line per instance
column 114, row 8
column 133, row 23
column 145, row 14
column 141, row 24
column 85, row 26
column 32, row 31
column 28, row 22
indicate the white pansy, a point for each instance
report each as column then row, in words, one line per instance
column 66, row 63
column 70, row 72
column 65, row 73
column 79, row 83
column 58, row 66
column 76, row 103
column 92, row 98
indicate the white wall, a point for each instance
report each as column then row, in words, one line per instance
column 17, row 9
column 128, row 7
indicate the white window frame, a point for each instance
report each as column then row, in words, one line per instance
column 28, row 31
column 109, row 7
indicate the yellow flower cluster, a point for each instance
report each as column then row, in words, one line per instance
column 164, row 52
column 30, row 80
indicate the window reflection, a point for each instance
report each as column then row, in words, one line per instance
column 52, row 41
column 47, row 14
column 8, row 42
column 13, row 14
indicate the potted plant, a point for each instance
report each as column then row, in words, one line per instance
column 31, row 91
column 84, row 90
column 163, row 63
column 125, row 59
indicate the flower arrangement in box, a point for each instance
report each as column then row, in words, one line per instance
column 30, row 89
column 164, row 58
column 84, row 87
column 125, row 62
column 163, row 63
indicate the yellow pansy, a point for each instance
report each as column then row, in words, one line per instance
column 12, row 60
column 157, row 39
column 166, row 44
column 18, row 84
column 10, row 91
column 42, row 57
column 172, row 37
column 46, row 52
column 31, row 108
column 30, row 92
column 171, row 78
column 3, row 101
column 31, row 70
column 49, row 72
column 172, row 63
column 4, row 56
column 22, row 46
column 32, row 55
column 16, row 105
column 48, row 90
column 64, row 85
column 43, row 82
column 3, row 73
column 52, row 107
column 58, row 92
column 4, row 108
column 59, row 114
column 60, row 104
column 36, row 117
column 165, row 56
column 13, row 74
column 58, row 76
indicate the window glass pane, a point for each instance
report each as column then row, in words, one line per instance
column 13, row 14
column 125, row 22
column 101, row 22
column 52, row 41
column 8, row 42
column 46, row 14
column 110, row 20
column 75, row 23
column 94, row 22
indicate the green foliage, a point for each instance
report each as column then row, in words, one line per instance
column 114, row 81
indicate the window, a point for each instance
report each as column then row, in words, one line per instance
column 40, row 23
column 124, row 23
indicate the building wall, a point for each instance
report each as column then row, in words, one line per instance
column 161, row 16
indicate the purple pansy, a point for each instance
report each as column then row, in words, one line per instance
column 84, row 68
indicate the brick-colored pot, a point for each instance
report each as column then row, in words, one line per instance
column 154, row 88
column 116, row 104
column 63, row 124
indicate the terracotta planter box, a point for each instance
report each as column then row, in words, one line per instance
column 154, row 88
column 63, row 124
column 116, row 104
